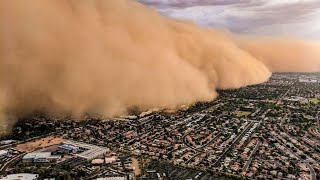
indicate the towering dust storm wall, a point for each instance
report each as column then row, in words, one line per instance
column 105, row 56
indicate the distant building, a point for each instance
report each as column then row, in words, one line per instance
column 296, row 99
column 247, row 108
column 40, row 157
column 21, row 176
column 307, row 80
column 68, row 148
column 4, row 142
column 143, row 114
column 137, row 152
column 97, row 161
column 113, row 178
column 110, row 160
column 129, row 117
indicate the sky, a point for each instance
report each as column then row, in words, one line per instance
column 299, row 18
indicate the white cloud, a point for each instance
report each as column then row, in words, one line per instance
column 267, row 17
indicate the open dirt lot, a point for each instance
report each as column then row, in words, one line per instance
column 39, row 144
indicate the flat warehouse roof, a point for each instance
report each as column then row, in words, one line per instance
column 92, row 152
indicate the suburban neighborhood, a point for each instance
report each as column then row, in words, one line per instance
column 266, row 131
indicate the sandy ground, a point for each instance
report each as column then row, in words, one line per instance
column 49, row 148
column 39, row 144
column 135, row 164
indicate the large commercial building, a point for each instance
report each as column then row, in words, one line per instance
column 40, row 157
column 87, row 151
column 21, row 176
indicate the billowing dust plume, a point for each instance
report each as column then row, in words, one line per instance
column 105, row 56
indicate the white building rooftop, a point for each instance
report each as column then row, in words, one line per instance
column 37, row 155
column 3, row 152
column 40, row 155
column 68, row 147
column 111, row 159
column 113, row 178
column 92, row 151
column 22, row 176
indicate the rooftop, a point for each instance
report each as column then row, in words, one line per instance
column 22, row 176
column 68, row 147
column 3, row 152
column 36, row 155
